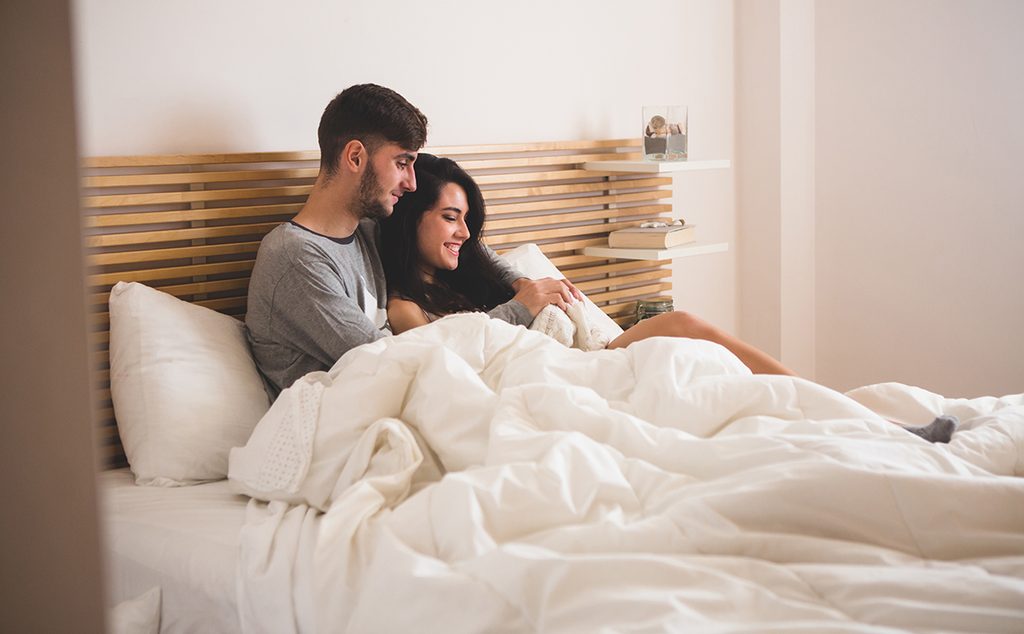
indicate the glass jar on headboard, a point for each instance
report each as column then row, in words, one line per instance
column 655, row 306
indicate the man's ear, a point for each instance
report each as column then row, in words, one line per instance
column 353, row 155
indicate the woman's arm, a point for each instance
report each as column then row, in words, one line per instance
column 404, row 314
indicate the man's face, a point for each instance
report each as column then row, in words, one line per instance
column 388, row 175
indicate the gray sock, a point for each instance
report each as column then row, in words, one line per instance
column 939, row 430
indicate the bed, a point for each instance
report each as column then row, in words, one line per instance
column 471, row 476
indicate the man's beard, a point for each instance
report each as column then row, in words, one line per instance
column 368, row 197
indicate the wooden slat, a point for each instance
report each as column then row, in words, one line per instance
column 175, row 253
column 200, row 159
column 314, row 155
column 537, row 176
column 569, row 245
column 545, row 146
column 171, row 235
column 201, row 288
column 190, row 196
column 187, row 178
column 107, row 430
column 139, row 238
column 577, row 216
column 170, row 273
column 610, row 282
column 620, row 308
column 568, row 203
column 223, row 304
column 638, row 291
column 552, row 190
column 184, row 290
column 569, row 260
column 530, row 236
column 189, row 215
column 473, row 165
column 603, row 269
column 113, row 456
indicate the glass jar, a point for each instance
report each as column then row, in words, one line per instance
column 650, row 307
column 664, row 133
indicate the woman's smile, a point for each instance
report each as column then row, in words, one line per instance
column 442, row 230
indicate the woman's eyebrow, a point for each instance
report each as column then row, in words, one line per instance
column 455, row 209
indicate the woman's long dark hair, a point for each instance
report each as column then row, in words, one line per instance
column 476, row 284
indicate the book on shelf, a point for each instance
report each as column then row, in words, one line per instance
column 652, row 237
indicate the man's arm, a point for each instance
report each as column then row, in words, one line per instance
column 514, row 312
column 508, row 274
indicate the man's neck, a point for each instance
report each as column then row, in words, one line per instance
column 329, row 210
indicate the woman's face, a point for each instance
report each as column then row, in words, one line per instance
column 442, row 230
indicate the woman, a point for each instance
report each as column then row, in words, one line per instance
column 436, row 265
column 434, row 229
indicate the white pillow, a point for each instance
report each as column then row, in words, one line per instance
column 529, row 260
column 184, row 386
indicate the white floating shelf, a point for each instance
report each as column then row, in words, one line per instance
column 655, row 167
column 682, row 251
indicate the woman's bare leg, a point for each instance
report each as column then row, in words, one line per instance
column 683, row 324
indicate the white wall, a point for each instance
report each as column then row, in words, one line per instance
column 237, row 75
column 875, row 142
column 758, row 174
column 775, row 178
column 919, row 194
column 879, row 190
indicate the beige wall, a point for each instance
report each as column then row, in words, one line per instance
column 50, row 578
column 759, row 173
column 878, row 190
column 919, row 195
column 706, row 285
column 237, row 75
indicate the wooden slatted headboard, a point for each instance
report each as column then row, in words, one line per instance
column 190, row 225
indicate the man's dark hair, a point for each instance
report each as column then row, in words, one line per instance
column 373, row 115
column 476, row 283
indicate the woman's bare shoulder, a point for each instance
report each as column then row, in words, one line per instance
column 404, row 314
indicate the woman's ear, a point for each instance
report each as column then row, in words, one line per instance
column 353, row 155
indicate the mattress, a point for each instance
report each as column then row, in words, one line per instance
column 183, row 540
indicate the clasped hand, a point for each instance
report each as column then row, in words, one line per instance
column 536, row 294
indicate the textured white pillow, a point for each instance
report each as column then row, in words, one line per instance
column 184, row 386
column 529, row 260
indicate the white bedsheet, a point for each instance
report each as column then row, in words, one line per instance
column 183, row 540
column 656, row 488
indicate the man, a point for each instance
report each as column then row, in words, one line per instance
column 318, row 288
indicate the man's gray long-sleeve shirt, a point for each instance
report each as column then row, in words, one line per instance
column 313, row 298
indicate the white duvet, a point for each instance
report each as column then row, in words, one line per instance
column 471, row 476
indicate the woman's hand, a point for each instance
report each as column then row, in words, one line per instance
column 536, row 294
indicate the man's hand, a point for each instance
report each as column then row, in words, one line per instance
column 536, row 294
